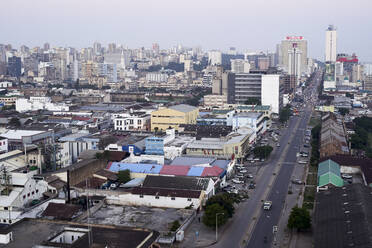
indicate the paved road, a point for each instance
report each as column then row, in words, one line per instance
column 279, row 191
column 237, row 230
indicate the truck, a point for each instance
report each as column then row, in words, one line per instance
column 267, row 205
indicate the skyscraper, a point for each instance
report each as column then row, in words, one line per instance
column 14, row 66
column 331, row 44
column 294, row 53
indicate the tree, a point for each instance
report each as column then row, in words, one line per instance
column 299, row 218
column 105, row 141
column 209, row 217
column 175, row 226
column 253, row 101
column 225, row 200
column 14, row 122
column 343, row 111
column 262, row 152
column 284, row 114
column 124, row 176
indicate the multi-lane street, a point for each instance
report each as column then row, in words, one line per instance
column 251, row 224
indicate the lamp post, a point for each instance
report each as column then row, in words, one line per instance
column 217, row 224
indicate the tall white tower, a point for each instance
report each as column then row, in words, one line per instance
column 331, row 44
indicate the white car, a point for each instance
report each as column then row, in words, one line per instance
column 302, row 162
column 243, row 171
column 237, row 181
column 346, row 176
column 267, row 205
column 278, row 145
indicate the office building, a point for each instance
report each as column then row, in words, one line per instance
column 294, row 48
column 368, row 83
column 331, row 44
column 215, row 58
column 240, row 66
column 272, row 92
column 14, row 67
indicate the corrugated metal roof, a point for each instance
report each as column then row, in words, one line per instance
column 135, row 168
column 195, row 171
column 177, row 170
column 214, row 171
column 329, row 166
column 192, row 161
column 183, row 108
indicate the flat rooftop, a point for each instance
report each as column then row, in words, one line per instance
column 18, row 134
column 33, row 232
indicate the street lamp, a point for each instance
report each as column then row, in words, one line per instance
column 217, row 225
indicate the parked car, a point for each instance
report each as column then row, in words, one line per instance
column 250, row 176
column 297, row 181
column 346, row 176
column 267, row 205
column 236, row 180
column 243, row 171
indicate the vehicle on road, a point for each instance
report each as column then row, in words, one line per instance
column 306, row 145
column 278, row 145
column 302, row 162
column 267, row 205
column 250, row 176
column 243, row 171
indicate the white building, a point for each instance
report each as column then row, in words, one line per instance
column 270, row 92
column 3, row 144
column 18, row 189
column 331, row 44
column 214, row 57
column 240, row 66
column 177, row 147
column 252, row 120
column 157, row 77
column 39, row 103
column 132, row 121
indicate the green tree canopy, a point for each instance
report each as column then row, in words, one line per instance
column 225, row 200
column 209, row 217
column 262, row 152
column 285, row 113
column 299, row 218
column 124, row 176
column 14, row 122
column 343, row 111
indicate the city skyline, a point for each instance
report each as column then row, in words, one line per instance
column 141, row 24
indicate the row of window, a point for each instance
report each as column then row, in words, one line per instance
column 172, row 198
column 32, row 193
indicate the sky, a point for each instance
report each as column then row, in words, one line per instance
column 248, row 25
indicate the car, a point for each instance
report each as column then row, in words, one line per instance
column 236, row 180
column 267, row 205
column 302, row 162
column 278, row 145
column 297, row 181
column 346, row 176
column 262, row 160
column 250, row 176
column 306, row 146
column 243, row 171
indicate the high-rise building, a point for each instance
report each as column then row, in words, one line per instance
column 14, row 67
column 294, row 48
column 215, row 58
column 272, row 92
column 368, row 83
column 263, row 63
column 97, row 48
column 46, row 46
column 240, row 66
column 331, row 44
column 155, row 48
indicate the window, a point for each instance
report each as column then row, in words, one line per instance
column 37, row 191
column 139, row 122
column 156, row 197
column 5, row 208
column 141, row 196
column 173, row 198
column 188, row 199
column 72, row 238
column 28, row 194
column 33, row 192
column 24, row 196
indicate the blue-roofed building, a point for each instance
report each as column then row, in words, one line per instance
column 136, row 170
column 195, row 171
column 155, row 144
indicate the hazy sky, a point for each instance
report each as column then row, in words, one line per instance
column 249, row 25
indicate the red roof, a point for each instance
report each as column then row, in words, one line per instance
column 109, row 165
column 213, row 171
column 176, row 170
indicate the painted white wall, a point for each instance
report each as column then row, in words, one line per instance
column 270, row 92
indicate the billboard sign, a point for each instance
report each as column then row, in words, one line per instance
column 294, row 37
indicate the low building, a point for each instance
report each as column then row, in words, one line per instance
column 253, row 120
column 215, row 100
column 329, row 175
column 155, row 144
column 39, row 103
column 52, row 233
column 132, row 121
column 173, row 116
column 18, row 139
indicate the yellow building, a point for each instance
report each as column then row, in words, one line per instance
column 173, row 116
